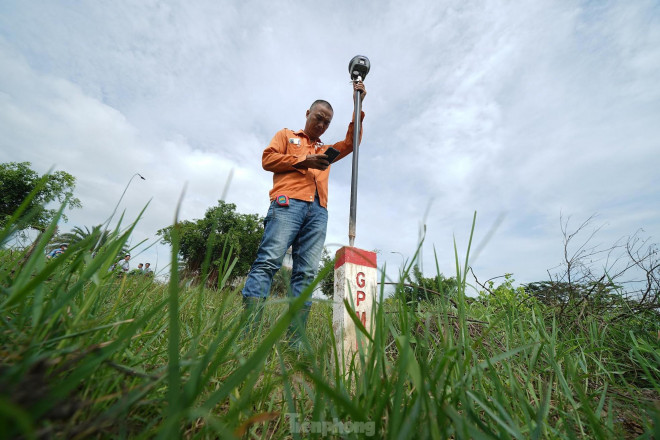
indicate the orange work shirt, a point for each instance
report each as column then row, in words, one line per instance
column 288, row 148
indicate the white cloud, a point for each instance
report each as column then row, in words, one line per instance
column 526, row 110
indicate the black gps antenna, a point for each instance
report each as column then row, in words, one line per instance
column 359, row 67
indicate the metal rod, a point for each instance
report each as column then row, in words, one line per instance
column 354, row 175
column 106, row 224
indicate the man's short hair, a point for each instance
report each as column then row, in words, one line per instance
column 321, row 102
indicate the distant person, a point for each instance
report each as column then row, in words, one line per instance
column 123, row 264
column 57, row 252
column 148, row 271
column 138, row 271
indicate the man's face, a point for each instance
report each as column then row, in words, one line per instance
column 318, row 121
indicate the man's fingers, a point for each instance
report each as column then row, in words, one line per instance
column 360, row 86
column 322, row 162
column 317, row 161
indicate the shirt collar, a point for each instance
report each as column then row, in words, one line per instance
column 301, row 132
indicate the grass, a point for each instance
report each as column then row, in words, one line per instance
column 84, row 353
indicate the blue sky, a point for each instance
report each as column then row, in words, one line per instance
column 521, row 112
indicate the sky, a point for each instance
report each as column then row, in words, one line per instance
column 528, row 113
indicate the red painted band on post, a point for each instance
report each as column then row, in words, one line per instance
column 356, row 256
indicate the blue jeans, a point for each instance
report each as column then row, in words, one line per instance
column 301, row 225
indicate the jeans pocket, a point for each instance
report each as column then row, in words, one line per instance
column 270, row 214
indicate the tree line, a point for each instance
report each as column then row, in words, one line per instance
column 223, row 244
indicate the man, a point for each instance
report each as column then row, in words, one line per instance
column 148, row 271
column 123, row 264
column 57, row 252
column 139, row 270
column 298, row 214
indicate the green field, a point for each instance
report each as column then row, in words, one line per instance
column 85, row 353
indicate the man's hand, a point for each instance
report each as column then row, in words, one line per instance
column 359, row 85
column 316, row 161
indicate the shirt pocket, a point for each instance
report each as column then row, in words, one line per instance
column 294, row 146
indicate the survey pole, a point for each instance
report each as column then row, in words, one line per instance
column 358, row 67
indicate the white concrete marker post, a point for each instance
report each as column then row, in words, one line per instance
column 355, row 281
